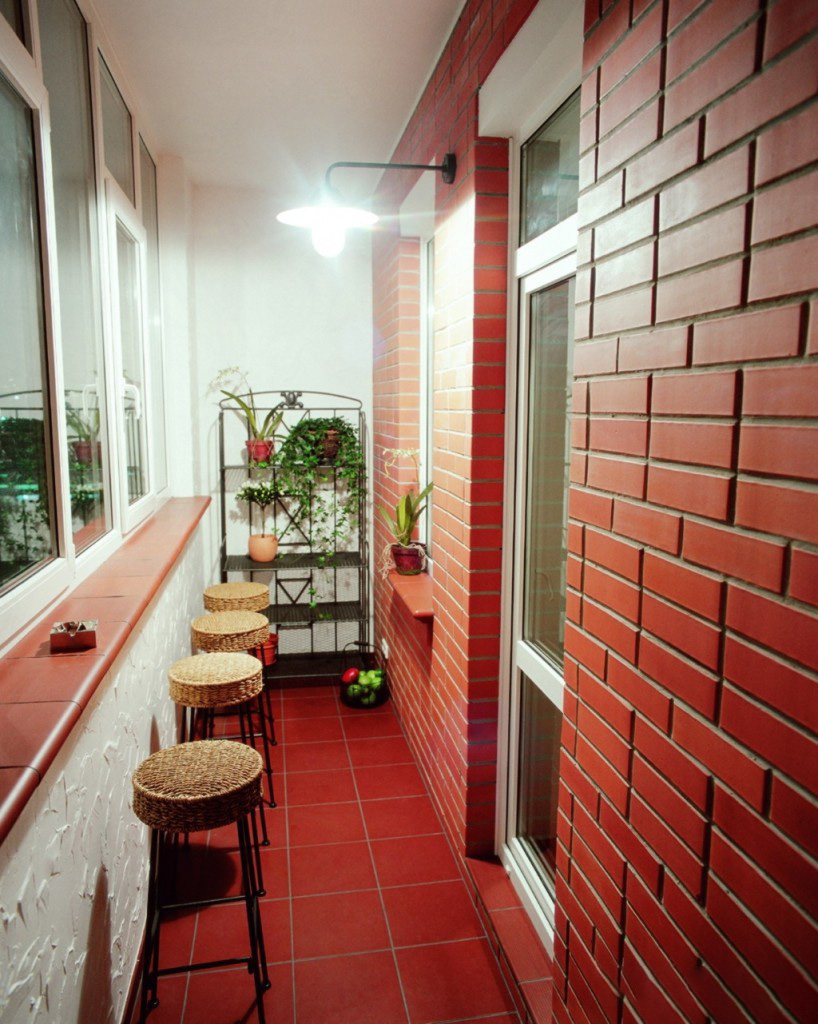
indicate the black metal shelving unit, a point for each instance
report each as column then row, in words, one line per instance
column 319, row 602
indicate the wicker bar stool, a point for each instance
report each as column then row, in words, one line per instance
column 242, row 597
column 194, row 787
column 237, row 597
column 203, row 682
column 234, row 632
column 229, row 631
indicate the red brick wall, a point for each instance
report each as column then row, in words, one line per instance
column 444, row 677
column 687, row 889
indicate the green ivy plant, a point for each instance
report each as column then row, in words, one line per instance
column 263, row 494
column 302, row 473
column 25, row 537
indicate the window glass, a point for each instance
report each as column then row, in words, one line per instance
column 538, row 779
column 150, row 221
column 129, row 293
column 551, row 318
column 66, row 75
column 12, row 11
column 116, row 132
column 27, row 530
column 550, row 177
column 427, row 455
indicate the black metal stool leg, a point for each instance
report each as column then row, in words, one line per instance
column 257, row 965
column 267, row 761
column 246, row 728
column 248, row 737
column 270, row 715
column 150, row 952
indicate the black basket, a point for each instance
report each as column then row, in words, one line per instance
column 364, row 657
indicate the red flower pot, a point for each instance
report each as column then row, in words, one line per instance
column 259, row 451
column 268, row 651
column 87, row 452
column 408, row 561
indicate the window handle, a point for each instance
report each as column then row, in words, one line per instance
column 136, row 394
column 87, row 391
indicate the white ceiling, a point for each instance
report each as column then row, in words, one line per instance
column 268, row 93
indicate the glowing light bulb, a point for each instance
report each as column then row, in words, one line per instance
column 328, row 237
column 328, row 220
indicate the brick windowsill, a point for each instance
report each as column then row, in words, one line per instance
column 42, row 695
column 524, row 960
column 416, row 593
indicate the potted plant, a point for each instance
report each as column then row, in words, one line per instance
column 262, row 547
column 263, row 430
column 320, row 467
column 85, row 425
column 408, row 555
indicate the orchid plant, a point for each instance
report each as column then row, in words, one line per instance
column 262, row 429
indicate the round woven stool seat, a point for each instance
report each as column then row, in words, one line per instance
column 215, row 680
column 196, row 786
column 230, row 631
column 237, row 597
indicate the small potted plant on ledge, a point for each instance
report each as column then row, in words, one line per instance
column 263, row 430
column 85, row 426
column 262, row 547
column 407, row 555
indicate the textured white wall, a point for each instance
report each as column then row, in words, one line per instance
column 73, row 869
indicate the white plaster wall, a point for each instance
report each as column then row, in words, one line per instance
column 263, row 299
column 73, row 869
column 181, row 404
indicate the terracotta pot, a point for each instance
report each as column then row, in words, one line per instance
column 267, row 653
column 87, row 452
column 408, row 561
column 262, row 547
column 330, row 443
column 259, row 451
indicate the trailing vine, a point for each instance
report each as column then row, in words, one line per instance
column 303, row 472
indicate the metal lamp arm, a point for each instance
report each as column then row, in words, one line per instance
column 448, row 168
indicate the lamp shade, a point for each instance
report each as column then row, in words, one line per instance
column 328, row 219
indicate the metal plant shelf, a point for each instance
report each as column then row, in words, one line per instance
column 325, row 611
column 320, row 604
column 301, row 667
column 295, row 560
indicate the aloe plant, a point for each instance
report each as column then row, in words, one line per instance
column 407, row 512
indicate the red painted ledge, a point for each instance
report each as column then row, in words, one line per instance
column 42, row 695
column 416, row 593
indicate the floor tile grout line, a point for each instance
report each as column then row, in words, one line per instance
column 374, row 866
column 284, row 808
column 460, row 863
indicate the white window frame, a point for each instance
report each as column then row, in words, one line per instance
column 519, row 656
column 31, row 599
column 536, row 74
column 417, row 221
column 427, row 389
column 27, row 599
column 120, row 211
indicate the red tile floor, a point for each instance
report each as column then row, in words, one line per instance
column 366, row 917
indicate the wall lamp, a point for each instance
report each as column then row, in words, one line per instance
column 328, row 218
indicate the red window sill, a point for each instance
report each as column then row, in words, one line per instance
column 416, row 594
column 43, row 695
